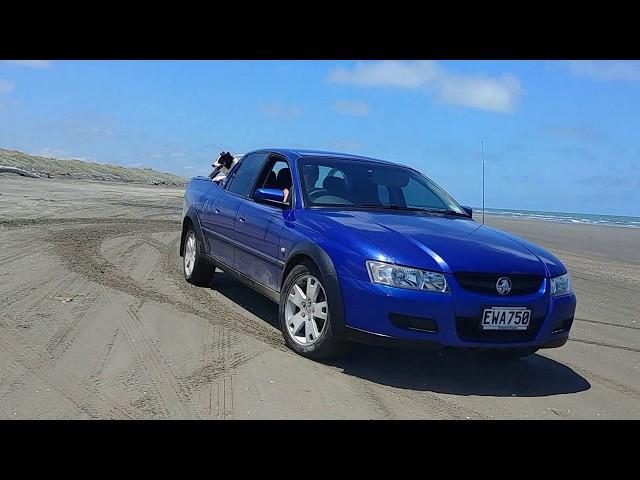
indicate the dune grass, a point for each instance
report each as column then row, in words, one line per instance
column 78, row 169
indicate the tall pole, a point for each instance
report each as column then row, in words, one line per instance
column 483, row 182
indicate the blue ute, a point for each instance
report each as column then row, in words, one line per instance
column 358, row 249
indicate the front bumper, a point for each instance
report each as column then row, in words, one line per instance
column 372, row 312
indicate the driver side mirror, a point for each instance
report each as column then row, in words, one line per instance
column 269, row 195
column 469, row 211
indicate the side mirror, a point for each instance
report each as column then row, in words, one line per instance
column 469, row 211
column 269, row 195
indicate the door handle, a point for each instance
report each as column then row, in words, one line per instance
column 241, row 219
column 217, row 210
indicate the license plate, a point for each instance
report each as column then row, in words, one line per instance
column 505, row 318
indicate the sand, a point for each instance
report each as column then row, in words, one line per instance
column 96, row 321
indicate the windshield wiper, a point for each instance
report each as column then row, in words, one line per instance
column 445, row 211
column 458, row 214
column 394, row 206
column 390, row 206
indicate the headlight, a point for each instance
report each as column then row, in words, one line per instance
column 406, row 277
column 561, row 285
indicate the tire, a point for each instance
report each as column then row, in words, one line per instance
column 507, row 355
column 195, row 266
column 313, row 339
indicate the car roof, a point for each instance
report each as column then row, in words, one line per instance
column 294, row 154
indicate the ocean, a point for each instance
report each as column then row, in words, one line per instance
column 563, row 217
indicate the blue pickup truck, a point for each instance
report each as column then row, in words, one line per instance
column 359, row 249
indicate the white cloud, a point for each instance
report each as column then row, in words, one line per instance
column 169, row 152
column 52, row 152
column 387, row 74
column 277, row 109
column 61, row 154
column 497, row 94
column 190, row 170
column 91, row 130
column 494, row 94
column 606, row 69
column 31, row 63
column 355, row 108
column 581, row 133
column 6, row 86
column 88, row 124
column 345, row 145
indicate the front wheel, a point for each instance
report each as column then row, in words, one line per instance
column 304, row 314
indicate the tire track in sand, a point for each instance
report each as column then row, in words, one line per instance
column 34, row 368
column 155, row 365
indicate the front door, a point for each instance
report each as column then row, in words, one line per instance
column 258, row 227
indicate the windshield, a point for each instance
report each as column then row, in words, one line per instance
column 335, row 182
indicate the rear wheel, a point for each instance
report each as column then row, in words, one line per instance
column 304, row 314
column 195, row 265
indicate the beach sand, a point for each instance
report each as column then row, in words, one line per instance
column 604, row 263
column 96, row 321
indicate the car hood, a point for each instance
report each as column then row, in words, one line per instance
column 444, row 243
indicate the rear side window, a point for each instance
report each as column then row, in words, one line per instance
column 246, row 174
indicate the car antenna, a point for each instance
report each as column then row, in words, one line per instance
column 483, row 182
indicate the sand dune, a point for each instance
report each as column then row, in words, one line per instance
column 84, row 170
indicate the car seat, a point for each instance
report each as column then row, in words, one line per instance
column 335, row 185
column 272, row 181
column 283, row 180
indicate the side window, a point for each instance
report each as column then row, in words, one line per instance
column 269, row 178
column 246, row 174
column 277, row 175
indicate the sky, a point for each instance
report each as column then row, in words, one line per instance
column 558, row 135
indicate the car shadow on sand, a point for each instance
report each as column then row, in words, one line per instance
column 461, row 372
column 246, row 298
column 447, row 371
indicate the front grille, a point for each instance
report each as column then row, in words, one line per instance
column 485, row 283
column 468, row 329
